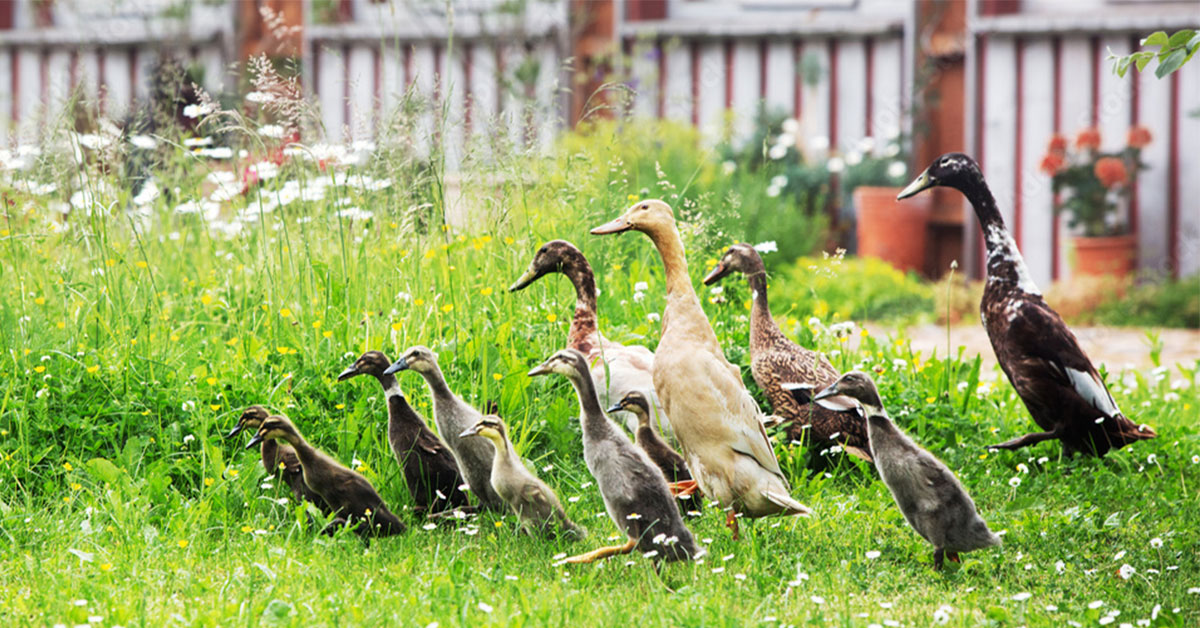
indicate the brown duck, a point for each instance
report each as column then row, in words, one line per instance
column 429, row 469
column 350, row 497
column 1035, row 348
column 776, row 360
column 672, row 464
column 279, row 459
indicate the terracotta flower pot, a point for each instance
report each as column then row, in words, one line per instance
column 1111, row 255
column 890, row 230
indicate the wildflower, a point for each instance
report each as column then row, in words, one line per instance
column 197, row 110
column 418, row 302
column 777, row 152
column 1138, row 137
column 39, row 369
column 105, row 566
column 766, row 247
column 1022, row 596
column 1111, row 171
column 233, row 473
column 497, row 376
column 1057, row 145
column 447, row 308
column 1052, row 163
column 483, row 606
column 273, row 131
column 93, row 368
column 1126, row 571
column 728, row 167
column 873, row 554
column 1096, row 604
column 208, row 481
column 942, row 614
column 486, row 291
column 897, row 169
column 1088, row 139
column 835, row 165
column 183, row 543
column 397, row 325
column 259, row 97
column 816, row 599
column 1014, row 481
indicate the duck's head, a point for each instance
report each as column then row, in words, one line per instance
column 739, row 257
column 275, row 426
column 568, row 362
column 555, row 256
column 634, row 401
column 647, row 216
column 489, row 427
column 251, row 418
column 858, row 386
column 418, row 358
column 370, row 363
column 954, row 170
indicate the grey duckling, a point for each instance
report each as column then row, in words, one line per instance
column 453, row 416
column 534, row 503
column 634, row 490
column 349, row 495
column 279, row 459
column 429, row 468
column 931, row 498
column 669, row 461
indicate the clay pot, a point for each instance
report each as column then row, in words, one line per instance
column 890, row 230
column 1107, row 255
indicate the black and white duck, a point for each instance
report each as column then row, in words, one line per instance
column 1035, row 348
column 775, row 359
column 931, row 498
column 429, row 468
column 634, row 490
column 349, row 495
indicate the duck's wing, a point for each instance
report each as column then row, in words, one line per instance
column 1048, row 362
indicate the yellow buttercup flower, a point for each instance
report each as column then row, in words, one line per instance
column 316, row 324
column 105, row 566
column 340, row 406
column 211, row 381
column 39, row 369
column 141, row 264
column 397, row 325
column 208, row 481
column 40, row 300
column 93, row 368
column 551, row 317
column 183, row 543
column 206, row 298
column 449, row 307
column 284, row 312
column 418, row 302
column 486, row 291
column 497, row 376
column 327, row 334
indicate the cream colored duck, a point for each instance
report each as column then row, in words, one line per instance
column 616, row 369
column 714, row 418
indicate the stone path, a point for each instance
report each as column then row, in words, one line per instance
column 1117, row 347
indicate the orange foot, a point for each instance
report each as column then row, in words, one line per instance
column 731, row 522
column 954, row 557
column 683, row 488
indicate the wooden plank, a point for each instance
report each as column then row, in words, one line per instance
column 424, row 78
column 6, row 95
column 644, row 78
column 712, row 85
column 815, row 120
column 677, row 101
column 1189, row 165
column 886, row 90
column 1154, row 113
column 213, row 62
column 484, row 97
column 1037, row 125
column 550, row 79
column 361, row 83
column 1113, row 105
column 454, row 90
column 329, row 90
column 851, row 94
column 1075, row 93
column 58, row 73
column 392, row 80
column 29, row 90
column 781, row 76
column 745, row 87
column 1000, row 122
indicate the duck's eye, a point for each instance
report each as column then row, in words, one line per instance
column 645, row 206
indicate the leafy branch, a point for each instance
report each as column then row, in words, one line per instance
column 1173, row 52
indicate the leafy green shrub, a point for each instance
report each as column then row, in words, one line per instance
column 834, row 288
column 1167, row 304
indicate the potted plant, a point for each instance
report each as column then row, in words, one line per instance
column 887, row 229
column 1092, row 188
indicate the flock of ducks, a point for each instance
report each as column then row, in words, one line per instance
column 688, row 393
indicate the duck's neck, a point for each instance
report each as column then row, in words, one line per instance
column 397, row 403
column 590, row 412
column 305, row 452
column 1004, row 261
column 270, row 456
column 437, row 384
column 670, row 249
column 583, row 323
column 761, row 321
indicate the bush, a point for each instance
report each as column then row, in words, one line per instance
column 1168, row 304
column 833, row 288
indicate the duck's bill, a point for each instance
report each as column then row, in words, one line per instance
column 526, row 279
column 616, row 226
column 396, row 367
column 616, row 407
column 470, row 431
column 831, row 391
column 237, row 429
column 347, row 374
column 920, row 184
column 715, row 275
column 540, row 369
column 254, row 441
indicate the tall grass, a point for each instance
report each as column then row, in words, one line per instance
column 133, row 335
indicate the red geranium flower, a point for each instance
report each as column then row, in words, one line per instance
column 1139, row 137
column 1111, row 171
column 1058, row 145
column 1088, row 139
column 1052, row 163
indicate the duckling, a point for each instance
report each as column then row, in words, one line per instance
column 429, row 468
column 531, row 499
column 1055, row 379
column 453, row 416
column 775, row 359
column 634, row 490
column 668, row 460
column 616, row 368
column 931, row 498
column 278, row 459
column 349, row 495
column 718, row 424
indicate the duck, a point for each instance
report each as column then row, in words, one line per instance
column 928, row 494
column 349, row 495
column 1038, row 353
column 453, row 416
column 673, row 466
column 616, row 368
column 278, row 459
column 430, row 471
column 718, row 424
column 635, row 491
column 775, row 359
column 531, row 500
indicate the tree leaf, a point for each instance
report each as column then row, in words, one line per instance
column 1171, row 64
column 1155, row 39
column 1180, row 39
column 1143, row 59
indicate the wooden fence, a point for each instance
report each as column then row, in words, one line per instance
column 1028, row 79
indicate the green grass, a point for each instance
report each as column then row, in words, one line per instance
column 128, row 353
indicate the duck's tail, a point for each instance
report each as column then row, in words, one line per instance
column 790, row 506
column 1121, row 431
